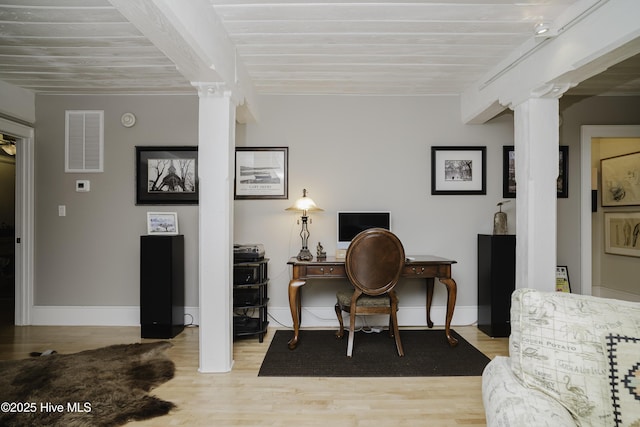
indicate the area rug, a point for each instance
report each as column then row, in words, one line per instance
column 103, row 387
column 320, row 354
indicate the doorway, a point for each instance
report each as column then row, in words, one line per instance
column 589, row 269
column 7, row 235
column 23, row 239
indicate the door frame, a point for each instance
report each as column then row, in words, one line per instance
column 24, row 218
column 587, row 133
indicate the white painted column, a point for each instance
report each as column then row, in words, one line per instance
column 216, row 142
column 536, row 150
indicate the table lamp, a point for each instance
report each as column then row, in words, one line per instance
column 304, row 204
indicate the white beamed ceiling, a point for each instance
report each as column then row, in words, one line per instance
column 412, row 47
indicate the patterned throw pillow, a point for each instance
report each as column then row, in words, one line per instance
column 556, row 346
column 623, row 355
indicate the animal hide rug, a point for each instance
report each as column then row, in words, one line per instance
column 103, row 387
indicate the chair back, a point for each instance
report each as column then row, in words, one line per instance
column 374, row 261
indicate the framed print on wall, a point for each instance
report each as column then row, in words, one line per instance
column 622, row 233
column 621, row 180
column 166, row 175
column 262, row 173
column 458, row 170
column 509, row 172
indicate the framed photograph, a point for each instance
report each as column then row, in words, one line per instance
column 458, row 170
column 622, row 233
column 162, row 223
column 562, row 279
column 509, row 172
column 621, row 180
column 166, row 175
column 262, row 173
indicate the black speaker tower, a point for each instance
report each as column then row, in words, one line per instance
column 161, row 286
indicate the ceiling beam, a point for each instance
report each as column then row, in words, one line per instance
column 588, row 39
column 192, row 36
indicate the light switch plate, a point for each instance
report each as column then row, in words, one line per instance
column 62, row 210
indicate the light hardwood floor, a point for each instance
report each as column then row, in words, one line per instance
column 241, row 398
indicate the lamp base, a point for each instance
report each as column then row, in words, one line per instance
column 304, row 255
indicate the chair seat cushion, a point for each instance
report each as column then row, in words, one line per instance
column 344, row 299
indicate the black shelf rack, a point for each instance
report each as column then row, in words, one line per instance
column 250, row 298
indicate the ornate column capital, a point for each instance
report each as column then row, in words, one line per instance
column 551, row 90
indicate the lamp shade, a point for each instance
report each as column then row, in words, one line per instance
column 10, row 149
column 304, row 204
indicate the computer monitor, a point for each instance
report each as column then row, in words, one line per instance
column 352, row 223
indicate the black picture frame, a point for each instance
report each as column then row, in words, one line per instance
column 167, row 175
column 261, row 173
column 509, row 172
column 458, row 170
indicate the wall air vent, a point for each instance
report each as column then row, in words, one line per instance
column 84, row 141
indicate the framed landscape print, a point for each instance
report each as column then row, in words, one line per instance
column 622, row 233
column 509, row 172
column 166, row 175
column 162, row 223
column 621, row 180
column 261, row 173
column 458, row 170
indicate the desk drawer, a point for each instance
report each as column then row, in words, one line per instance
column 426, row 271
column 326, row 271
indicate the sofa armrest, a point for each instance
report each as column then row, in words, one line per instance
column 508, row 403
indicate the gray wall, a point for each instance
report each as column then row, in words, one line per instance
column 351, row 153
column 90, row 257
column 372, row 153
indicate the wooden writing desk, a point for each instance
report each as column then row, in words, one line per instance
column 421, row 267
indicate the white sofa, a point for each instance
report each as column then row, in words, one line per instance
column 574, row 360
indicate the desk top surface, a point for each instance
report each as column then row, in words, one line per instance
column 411, row 259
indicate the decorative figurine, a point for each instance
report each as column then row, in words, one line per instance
column 320, row 253
column 500, row 220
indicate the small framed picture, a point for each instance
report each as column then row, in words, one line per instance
column 166, row 175
column 261, row 173
column 562, row 279
column 622, row 233
column 509, row 172
column 620, row 184
column 162, row 223
column 458, row 170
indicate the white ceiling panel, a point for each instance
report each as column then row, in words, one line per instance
column 410, row 47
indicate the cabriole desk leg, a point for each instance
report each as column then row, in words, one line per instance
column 296, row 310
column 429, row 300
column 452, row 292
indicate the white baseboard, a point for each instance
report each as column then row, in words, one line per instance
column 96, row 316
column 604, row 292
column 279, row 316
column 407, row 316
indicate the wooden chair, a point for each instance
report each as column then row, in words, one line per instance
column 373, row 263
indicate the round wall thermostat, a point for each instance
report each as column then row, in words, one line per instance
column 128, row 120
